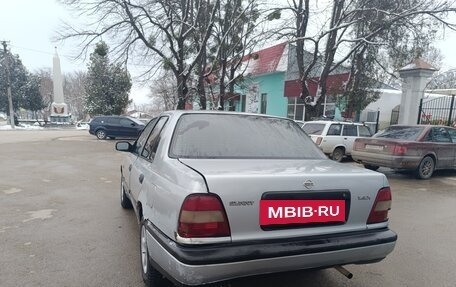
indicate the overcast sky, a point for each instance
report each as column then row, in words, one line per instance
column 30, row 26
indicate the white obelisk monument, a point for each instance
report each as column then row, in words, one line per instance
column 59, row 110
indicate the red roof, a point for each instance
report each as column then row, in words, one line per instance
column 266, row 60
column 335, row 84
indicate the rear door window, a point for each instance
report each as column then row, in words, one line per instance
column 334, row 130
column 144, row 135
column 150, row 148
column 126, row 123
column 452, row 133
column 350, row 131
column 113, row 121
column 440, row 135
column 364, row 131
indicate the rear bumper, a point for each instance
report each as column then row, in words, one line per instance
column 195, row 265
column 391, row 161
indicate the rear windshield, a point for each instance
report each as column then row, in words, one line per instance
column 313, row 129
column 401, row 132
column 240, row 136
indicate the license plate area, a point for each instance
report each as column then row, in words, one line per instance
column 284, row 210
column 374, row 147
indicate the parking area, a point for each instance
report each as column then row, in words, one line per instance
column 61, row 223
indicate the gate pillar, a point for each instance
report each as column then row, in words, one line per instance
column 415, row 77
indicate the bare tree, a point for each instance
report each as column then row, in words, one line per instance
column 235, row 36
column 74, row 91
column 150, row 29
column 45, row 89
column 339, row 45
column 163, row 92
column 443, row 80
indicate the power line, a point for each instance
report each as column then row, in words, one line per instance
column 67, row 56
column 40, row 51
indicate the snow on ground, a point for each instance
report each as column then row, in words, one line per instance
column 82, row 126
column 4, row 127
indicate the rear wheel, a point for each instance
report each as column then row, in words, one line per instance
column 426, row 168
column 338, row 154
column 151, row 277
column 101, row 134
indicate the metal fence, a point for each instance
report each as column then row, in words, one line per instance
column 395, row 116
column 439, row 111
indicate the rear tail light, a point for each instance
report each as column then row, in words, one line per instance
column 382, row 205
column 399, row 150
column 203, row 215
column 318, row 141
column 357, row 145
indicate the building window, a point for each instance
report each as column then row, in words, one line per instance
column 264, row 103
column 296, row 108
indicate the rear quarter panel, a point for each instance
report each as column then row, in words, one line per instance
column 167, row 182
column 329, row 143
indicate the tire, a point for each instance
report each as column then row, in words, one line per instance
column 125, row 202
column 371, row 167
column 151, row 277
column 338, row 154
column 426, row 168
column 101, row 134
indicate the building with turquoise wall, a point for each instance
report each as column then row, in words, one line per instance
column 263, row 86
column 270, row 91
column 272, row 86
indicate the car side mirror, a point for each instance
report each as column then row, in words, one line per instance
column 123, row 146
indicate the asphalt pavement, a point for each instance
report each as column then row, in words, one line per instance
column 61, row 223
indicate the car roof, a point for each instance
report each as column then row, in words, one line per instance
column 426, row 126
column 182, row 112
column 334, row 122
column 108, row 116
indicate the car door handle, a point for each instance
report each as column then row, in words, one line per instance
column 129, row 168
column 141, row 178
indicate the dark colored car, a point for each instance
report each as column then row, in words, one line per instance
column 419, row 148
column 115, row 126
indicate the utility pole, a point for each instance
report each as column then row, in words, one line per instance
column 8, row 84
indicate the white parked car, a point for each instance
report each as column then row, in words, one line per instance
column 223, row 195
column 335, row 138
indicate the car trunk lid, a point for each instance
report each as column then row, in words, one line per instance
column 381, row 146
column 244, row 185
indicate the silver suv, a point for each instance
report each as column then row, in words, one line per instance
column 336, row 138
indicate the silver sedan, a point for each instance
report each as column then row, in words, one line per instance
column 223, row 195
